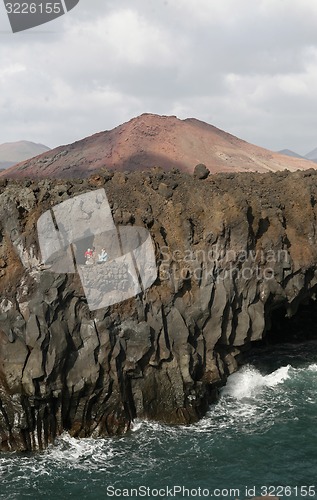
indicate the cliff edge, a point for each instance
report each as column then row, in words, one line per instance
column 230, row 249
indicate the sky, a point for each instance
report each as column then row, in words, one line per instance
column 248, row 67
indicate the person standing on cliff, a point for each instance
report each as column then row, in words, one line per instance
column 89, row 256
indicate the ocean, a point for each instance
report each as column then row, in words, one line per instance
column 261, row 437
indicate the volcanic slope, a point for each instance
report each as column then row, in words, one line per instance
column 152, row 140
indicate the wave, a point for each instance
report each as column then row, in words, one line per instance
column 253, row 402
column 249, row 381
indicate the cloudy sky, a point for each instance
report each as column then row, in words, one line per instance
column 246, row 66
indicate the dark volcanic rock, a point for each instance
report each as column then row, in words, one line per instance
column 201, row 171
column 230, row 250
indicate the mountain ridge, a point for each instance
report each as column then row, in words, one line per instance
column 12, row 153
column 312, row 155
column 289, row 152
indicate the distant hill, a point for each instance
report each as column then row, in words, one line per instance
column 6, row 164
column 312, row 155
column 15, row 152
column 152, row 140
column 288, row 152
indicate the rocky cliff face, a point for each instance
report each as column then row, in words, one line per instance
column 230, row 249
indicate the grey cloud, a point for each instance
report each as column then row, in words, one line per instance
column 220, row 62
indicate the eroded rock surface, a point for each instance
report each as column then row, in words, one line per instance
column 230, row 249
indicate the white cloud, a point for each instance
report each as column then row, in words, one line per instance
column 11, row 70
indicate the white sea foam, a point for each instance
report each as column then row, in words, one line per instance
column 137, row 425
column 278, row 377
column 248, row 381
column 78, row 453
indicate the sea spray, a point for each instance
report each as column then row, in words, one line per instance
column 249, row 381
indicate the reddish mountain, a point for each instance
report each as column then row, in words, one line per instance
column 152, row 140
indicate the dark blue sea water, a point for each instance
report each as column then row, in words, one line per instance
column 262, row 433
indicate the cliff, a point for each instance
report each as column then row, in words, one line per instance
column 150, row 140
column 230, row 249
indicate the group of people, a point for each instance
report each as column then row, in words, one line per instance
column 90, row 256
